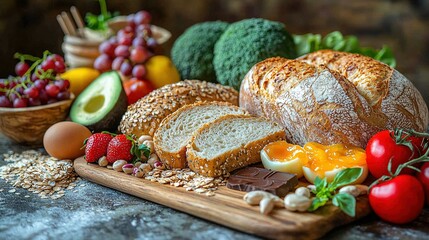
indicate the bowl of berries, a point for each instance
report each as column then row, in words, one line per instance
column 35, row 99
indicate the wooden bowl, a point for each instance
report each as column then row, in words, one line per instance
column 28, row 125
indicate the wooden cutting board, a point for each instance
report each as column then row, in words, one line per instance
column 226, row 207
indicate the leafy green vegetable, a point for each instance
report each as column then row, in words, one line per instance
column 192, row 52
column 326, row 191
column 99, row 22
column 247, row 42
column 308, row 43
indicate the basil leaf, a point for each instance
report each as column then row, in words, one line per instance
column 317, row 202
column 320, row 184
column 346, row 202
column 346, row 176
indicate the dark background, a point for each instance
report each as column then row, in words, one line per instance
column 30, row 26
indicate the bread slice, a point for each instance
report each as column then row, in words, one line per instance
column 144, row 116
column 229, row 143
column 176, row 130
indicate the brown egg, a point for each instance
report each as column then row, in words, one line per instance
column 64, row 140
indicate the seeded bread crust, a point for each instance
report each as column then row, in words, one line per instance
column 232, row 159
column 177, row 159
column 144, row 117
column 332, row 97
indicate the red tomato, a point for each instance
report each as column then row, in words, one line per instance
column 381, row 148
column 136, row 89
column 399, row 200
column 421, row 143
column 424, row 179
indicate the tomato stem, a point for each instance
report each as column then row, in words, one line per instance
column 402, row 138
column 409, row 164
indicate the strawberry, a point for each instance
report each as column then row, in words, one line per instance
column 120, row 148
column 96, row 146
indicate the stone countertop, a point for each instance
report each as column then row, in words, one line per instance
column 92, row 211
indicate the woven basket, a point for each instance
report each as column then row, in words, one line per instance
column 28, row 125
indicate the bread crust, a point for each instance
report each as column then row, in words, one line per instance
column 230, row 160
column 178, row 159
column 144, row 116
column 332, row 97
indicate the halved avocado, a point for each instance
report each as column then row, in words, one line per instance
column 100, row 106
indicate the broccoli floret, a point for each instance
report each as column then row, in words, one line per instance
column 247, row 42
column 192, row 52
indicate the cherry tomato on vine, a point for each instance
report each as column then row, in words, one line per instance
column 136, row 89
column 423, row 176
column 389, row 145
column 421, row 143
column 398, row 200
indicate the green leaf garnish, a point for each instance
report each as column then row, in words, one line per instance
column 317, row 203
column 346, row 176
column 326, row 191
column 346, row 202
column 99, row 22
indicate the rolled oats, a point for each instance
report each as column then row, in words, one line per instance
column 38, row 173
column 187, row 179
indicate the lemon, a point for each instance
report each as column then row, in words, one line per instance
column 161, row 71
column 80, row 78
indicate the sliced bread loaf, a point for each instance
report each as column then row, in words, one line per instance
column 229, row 143
column 176, row 130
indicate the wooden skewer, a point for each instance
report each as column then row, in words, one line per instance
column 77, row 18
column 63, row 25
column 79, row 22
column 69, row 24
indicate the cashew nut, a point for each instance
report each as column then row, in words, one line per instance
column 311, row 188
column 255, row 197
column 303, row 191
column 295, row 202
column 266, row 205
column 355, row 190
column 265, row 200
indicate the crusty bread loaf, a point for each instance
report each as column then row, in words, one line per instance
column 144, row 117
column 332, row 97
column 175, row 131
column 229, row 143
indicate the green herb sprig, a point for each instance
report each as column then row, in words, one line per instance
column 99, row 22
column 308, row 43
column 327, row 191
